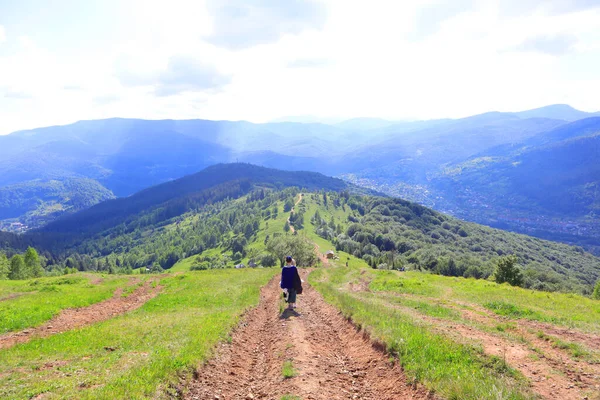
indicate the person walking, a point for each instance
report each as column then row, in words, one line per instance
column 290, row 280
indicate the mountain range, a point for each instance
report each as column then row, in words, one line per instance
column 496, row 168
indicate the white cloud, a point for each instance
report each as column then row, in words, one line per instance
column 241, row 24
column 383, row 58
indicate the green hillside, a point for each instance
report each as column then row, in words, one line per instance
column 34, row 203
column 386, row 233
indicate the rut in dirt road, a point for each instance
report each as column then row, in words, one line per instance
column 72, row 318
column 330, row 358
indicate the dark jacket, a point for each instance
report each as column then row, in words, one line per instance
column 290, row 279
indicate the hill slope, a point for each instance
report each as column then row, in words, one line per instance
column 33, row 203
column 225, row 180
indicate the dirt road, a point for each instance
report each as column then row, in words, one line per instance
column 77, row 317
column 292, row 229
column 330, row 359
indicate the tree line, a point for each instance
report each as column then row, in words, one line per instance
column 21, row 266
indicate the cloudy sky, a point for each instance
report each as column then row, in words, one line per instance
column 262, row 60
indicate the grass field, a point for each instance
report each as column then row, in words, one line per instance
column 141, row 354
column 30, row 303
column 569, row 310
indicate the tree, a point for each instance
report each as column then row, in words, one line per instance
column 296, row 246
column 289, row 204
column 507, row 271
column 32, row 263
column 596, row 294
column 4, row 266
column 17, row 268
column 286, row 227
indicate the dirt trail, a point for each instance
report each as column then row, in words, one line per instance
column 552, row 373
column 72, row 318
column 292, row 211
column 331, row 358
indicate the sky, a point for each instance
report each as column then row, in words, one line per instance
column 265, row 60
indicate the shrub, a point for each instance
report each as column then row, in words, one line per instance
column 596, row 294
column 507, row 271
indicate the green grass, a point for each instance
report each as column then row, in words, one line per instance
column 287, row 370
column 426, row 308
column 41, row 299
column 185, row 264
column 576, row 350
column 453, row 370
column 510, row 310
column 141, row 354
column 127, row 291
column 513, row 302
column 290, row 397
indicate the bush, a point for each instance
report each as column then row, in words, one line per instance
column 268, row 260
column 596, row 294
column 204, row 265
column 507, row 271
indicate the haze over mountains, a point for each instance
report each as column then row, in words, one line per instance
column 495, row 168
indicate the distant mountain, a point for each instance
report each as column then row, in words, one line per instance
column 34, row 203
column 364, row 124
column 548, row 185
column 556, row 111
column 128, row 155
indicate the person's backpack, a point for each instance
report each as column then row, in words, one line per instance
column 298, row 284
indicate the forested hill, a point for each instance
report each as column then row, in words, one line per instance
column 39, row 201
column 170, row 199
column 233, row 213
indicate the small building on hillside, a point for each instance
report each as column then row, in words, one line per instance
column 330, row 254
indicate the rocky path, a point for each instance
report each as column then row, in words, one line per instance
column 329, row 357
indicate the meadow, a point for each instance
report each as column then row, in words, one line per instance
column 141, row 354
column 29, row 303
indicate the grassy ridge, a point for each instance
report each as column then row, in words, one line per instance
column 32, row 302
column 139, row 354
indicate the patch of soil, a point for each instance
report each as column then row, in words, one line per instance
column 331, row 358
column 97, row 281
column 72, row 318
column 11, row 296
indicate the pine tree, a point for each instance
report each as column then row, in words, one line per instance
column 32, row 263
column 17, row 268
